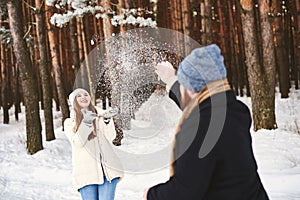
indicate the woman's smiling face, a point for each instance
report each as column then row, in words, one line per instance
column 83, row 99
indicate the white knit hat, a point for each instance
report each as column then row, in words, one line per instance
column 74, row 93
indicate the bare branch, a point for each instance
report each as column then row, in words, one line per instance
column 27, row 4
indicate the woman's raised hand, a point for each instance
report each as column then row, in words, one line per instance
column 111, row 112
column 88, row 117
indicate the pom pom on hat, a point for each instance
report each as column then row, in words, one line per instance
column 202, row 66
column 74, row 93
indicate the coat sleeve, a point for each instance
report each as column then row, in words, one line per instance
column 174, row 94
column 108, row 129
column 81, row 136
column 192, row 175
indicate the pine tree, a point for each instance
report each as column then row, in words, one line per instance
column 43, row 69
column 30, row 90
column 56, row 66
column 261, row 88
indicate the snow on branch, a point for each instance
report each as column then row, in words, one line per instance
column 60, row 20
column 82, row 7
column 133, row 16
column 5, row 36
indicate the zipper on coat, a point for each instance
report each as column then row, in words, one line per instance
column 101, row 158
column 104, row 170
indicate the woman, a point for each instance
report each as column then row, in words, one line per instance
column 96, row 167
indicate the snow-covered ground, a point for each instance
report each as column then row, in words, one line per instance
column 47, row 174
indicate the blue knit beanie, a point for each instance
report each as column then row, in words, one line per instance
column 202, row 66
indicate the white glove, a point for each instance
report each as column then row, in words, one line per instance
column 166, row 73
column 111, row 113
column 88, row 117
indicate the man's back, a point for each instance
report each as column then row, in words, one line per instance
column 235, row 171
column 228, row 171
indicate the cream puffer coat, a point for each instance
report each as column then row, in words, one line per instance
column 89, row 155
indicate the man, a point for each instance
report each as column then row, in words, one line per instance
column 213, row 157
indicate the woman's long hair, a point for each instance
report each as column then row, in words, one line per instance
column 79, row 115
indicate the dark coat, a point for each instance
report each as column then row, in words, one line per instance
column 228, row 171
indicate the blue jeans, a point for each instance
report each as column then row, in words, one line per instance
column 105, row 191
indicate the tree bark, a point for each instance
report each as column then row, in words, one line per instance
column 74, row 45
column 241, row 49
column 206, row 22
column 87, row 63
column 5, row 84
column 33, row 122
column 186, row 17
column 44, row 71
column 186, row 20
column 122, row 5
column 1, row 64
column 16, row 86
column 230, row 43
column 262, row 102
column 80, row 81
column 281, row 50
column 295, row 57
column 163, row 14
column 56, row 67
column 269, row 66
column 298, row 32
column 178, row 16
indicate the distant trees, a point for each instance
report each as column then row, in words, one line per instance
column 259, row 40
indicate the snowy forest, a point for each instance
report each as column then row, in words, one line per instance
column 50, row 47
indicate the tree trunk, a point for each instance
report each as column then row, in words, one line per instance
column 44, row 71
column 177, row 24
column 230, row 43
column 122, row 5
column 222, row 32
column 56, row 67
column 296, row 40
column 241, row 49
column 74, row 46
column 173, row 16
column 281, row 50
column 186, row 20
column 54, row 92
column 262, row 102
column 163, row 14
column 178, row 16
column 5, row 83
column 269, row 66
column 33, row 122
column 87, row 63
column 80, row 81
column 1, row 64
column 298, row 33
column 298, row 14
column 16, row 86
column 206, row 22
column 186, row 17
